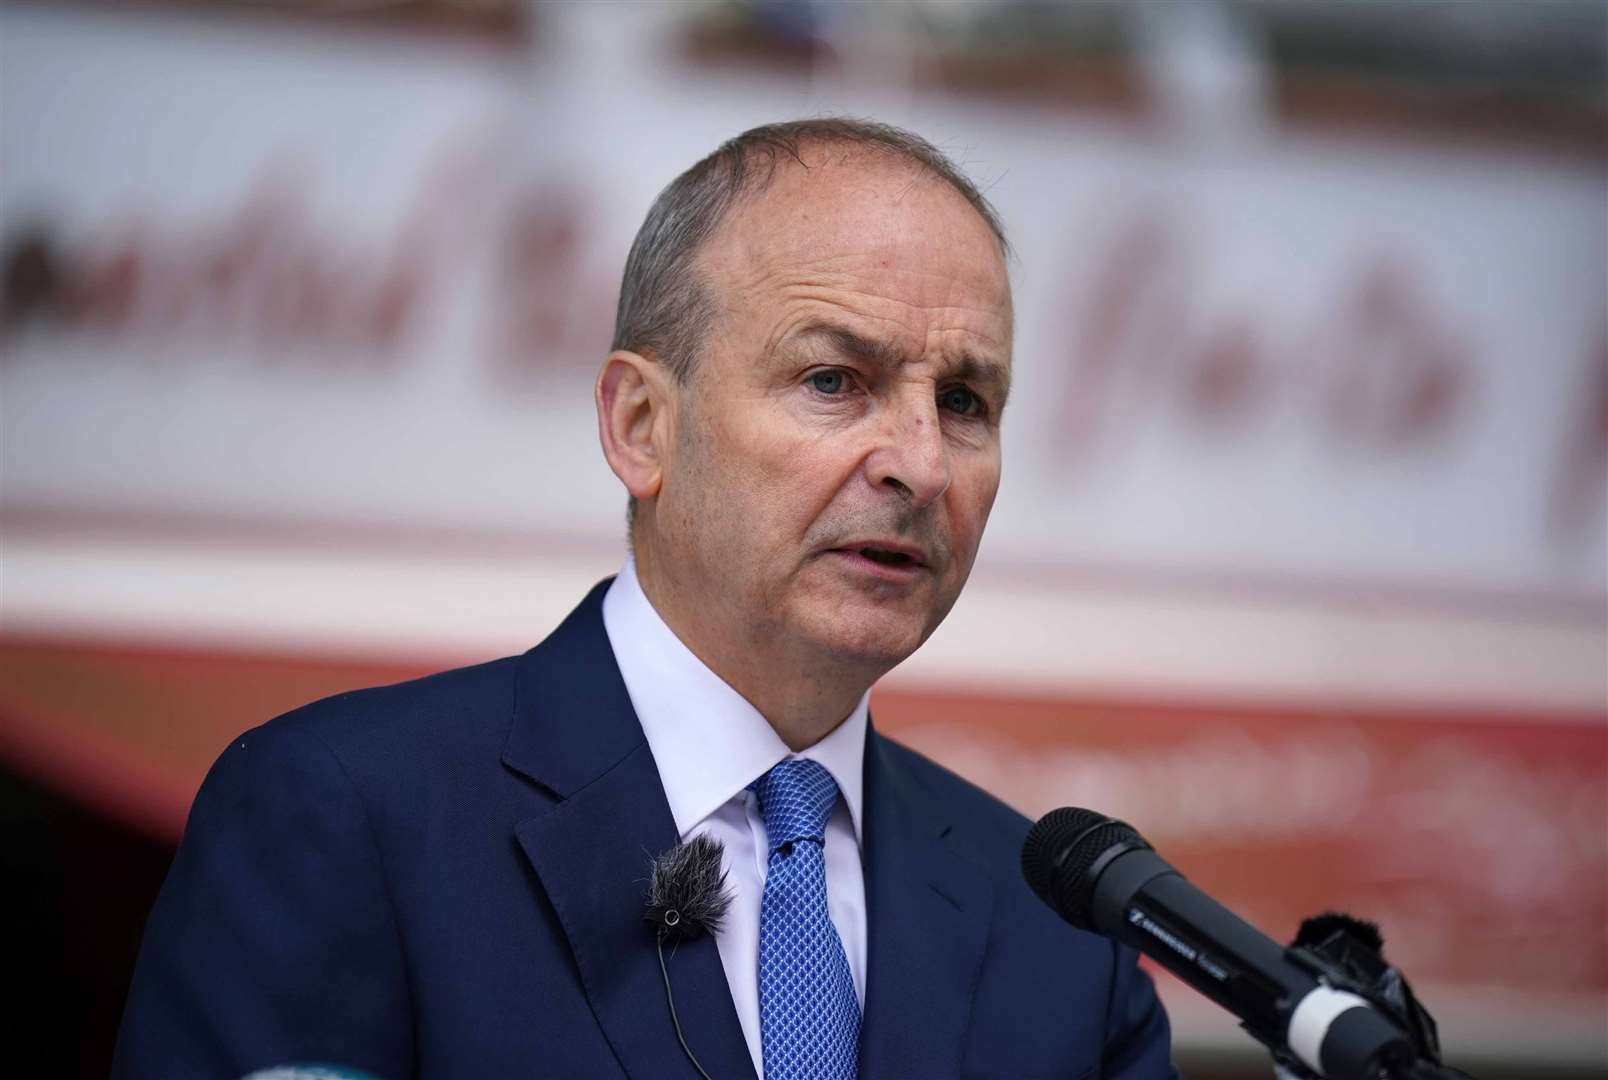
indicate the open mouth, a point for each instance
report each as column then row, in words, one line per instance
column 886, row 558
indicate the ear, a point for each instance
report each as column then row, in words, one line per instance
column 633, row 413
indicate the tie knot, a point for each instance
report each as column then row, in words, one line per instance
column 795, row 798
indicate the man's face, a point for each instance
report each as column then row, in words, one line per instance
column 837, row 452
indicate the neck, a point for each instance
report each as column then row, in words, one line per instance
column 803, row 697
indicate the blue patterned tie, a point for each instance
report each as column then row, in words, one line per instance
column 809, row 1018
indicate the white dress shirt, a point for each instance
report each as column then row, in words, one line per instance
column 709, row 744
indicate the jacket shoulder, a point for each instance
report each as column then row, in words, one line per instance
column 473, row 703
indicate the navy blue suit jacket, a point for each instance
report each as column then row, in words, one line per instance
column 446, row 878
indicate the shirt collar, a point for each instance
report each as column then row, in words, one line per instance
column 686, row 710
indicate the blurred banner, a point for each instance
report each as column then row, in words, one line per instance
column 1301, row 557
column 258, row 277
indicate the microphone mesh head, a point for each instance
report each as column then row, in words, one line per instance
column 1059, row 851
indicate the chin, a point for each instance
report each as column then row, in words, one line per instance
column 873, row 638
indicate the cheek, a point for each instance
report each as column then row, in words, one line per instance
column 972, row 494
column 789, row 476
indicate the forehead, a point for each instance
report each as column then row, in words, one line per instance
column 870, row 230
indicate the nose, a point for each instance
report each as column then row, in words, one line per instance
column 910, row 456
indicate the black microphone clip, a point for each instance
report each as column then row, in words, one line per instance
column 687, row 898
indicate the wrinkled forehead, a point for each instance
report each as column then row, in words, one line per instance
column 849, row 210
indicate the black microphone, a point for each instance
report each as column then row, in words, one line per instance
column 687, row 898
column 687, row 894
column 1099, row 874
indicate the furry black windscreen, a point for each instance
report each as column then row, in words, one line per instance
column 687, row 894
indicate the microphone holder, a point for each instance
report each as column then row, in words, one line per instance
column 1347, row 954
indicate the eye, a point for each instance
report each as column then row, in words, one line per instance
column 960, row 399
column 830, row 381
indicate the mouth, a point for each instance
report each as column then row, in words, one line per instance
column 883, row 559
column 888, row 556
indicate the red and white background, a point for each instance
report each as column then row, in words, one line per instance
column 1299, row 563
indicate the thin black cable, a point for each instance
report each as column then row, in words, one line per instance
column 671, row 999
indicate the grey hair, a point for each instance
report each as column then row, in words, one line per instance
column 666, row 310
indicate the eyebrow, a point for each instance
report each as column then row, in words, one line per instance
column 965, row 365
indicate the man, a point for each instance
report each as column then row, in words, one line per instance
column 447, row 877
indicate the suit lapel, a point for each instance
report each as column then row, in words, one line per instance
column 928, row 912
column 575, row 733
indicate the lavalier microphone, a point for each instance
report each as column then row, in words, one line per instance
column 687, row 898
